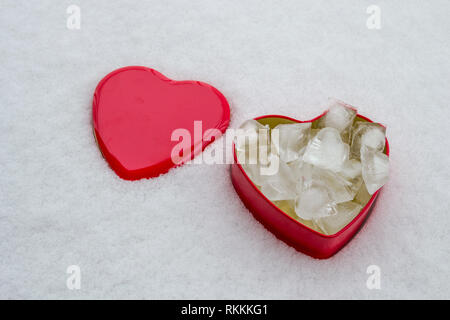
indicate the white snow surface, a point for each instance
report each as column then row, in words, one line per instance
column 186, row 234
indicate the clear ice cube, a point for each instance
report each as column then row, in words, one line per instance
column 314, row 202
column 292, row 138
column 367, row 134
column 345, row 213
column 253, row 171
column 375, row 168
column 299, row 169
column 279, row 186
column 288, row 206
column 341, row 189
column 260, row 172
column 340, row 117
column 351, row 169
column 250, row 137
column 326, row 150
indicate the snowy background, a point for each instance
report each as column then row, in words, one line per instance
column 187, row 234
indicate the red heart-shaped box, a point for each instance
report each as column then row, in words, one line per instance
column 137, row 109
column 285, row 227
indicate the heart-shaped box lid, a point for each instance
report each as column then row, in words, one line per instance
column 136, row 111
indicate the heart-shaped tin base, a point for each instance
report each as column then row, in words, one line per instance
column 283, row 225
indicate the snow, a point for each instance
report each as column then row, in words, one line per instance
column 186, row 234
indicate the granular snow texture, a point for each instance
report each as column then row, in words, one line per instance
column 186, row 234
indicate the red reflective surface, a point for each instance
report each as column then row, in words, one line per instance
column 135, row 111
column 286, row 228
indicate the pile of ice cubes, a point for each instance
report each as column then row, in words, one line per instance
column 321, row 173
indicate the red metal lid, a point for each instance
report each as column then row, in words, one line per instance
column 136, row 111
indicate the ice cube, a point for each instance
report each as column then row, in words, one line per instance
column 351, row 169
column 279, row 186
column 375, row 168
column 341, row 189
column 345, row 213
column 292, row 138
column 314, row 202
column 367, row 134
column 253, row 171
column 288, row 206
column 326, row 150
column 303, row 173
column 250, row 137
column 259, row 172
column 249, row 131
column 340, row 117
column 298, row 168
